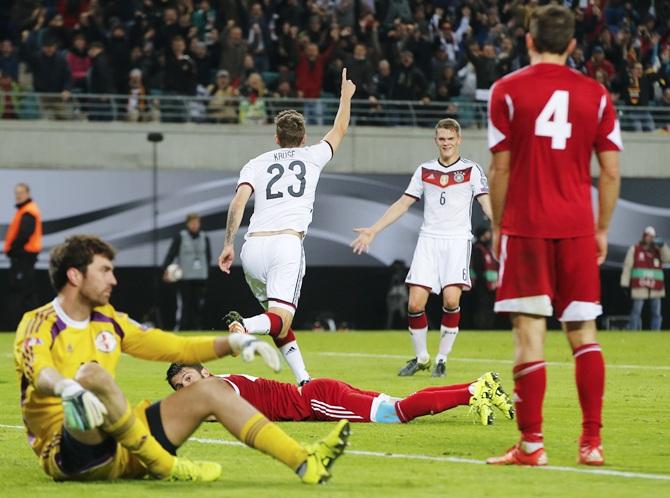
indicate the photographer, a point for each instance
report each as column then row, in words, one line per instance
column 643, row 274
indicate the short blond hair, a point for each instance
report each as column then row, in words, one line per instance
column 448, row 124
column 290, row 128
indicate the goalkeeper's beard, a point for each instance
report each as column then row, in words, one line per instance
column 95, row 299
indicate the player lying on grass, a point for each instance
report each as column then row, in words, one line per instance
column 330, row 399
column 80, row 423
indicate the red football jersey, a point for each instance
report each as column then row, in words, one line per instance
column 550, row 118
column 278, row 401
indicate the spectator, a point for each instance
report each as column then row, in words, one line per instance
column 409, row 82
column 576, row 61
column 23, row 242
column 9, row 60
column 167, row 29
column 191, row 249
column 397, row 9
column 202, row 62
column 309, row 78
column 638, row 92
column 9, row 97
column 284, row 90
column 382, row 81
column 485, row 68
column 598, row 61
column 51, row 75
column 222, row 107
column 233, row 50
column 248, row 67
column 359, row 70
column 485, row 281
column 136, row 105
column 445, row 40
column 101, row 82
column 203, row 20
column 258, row 39
column 180, row 79
column 252, row 105
column 663, row 119
column 643, row 275
column 118, row 49
column 79, row 63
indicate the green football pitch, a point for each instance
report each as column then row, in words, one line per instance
column 439, row 455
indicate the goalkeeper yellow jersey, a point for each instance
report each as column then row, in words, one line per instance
column 48, row 338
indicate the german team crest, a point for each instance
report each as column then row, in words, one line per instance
column 444, row 180
column 459, row 176
column 105, row 341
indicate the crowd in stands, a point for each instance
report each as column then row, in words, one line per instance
column 438, row 52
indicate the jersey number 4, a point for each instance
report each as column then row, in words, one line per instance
column 277, row 170
column 553, row 120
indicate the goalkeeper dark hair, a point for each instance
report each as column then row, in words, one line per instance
column 76, row 252
column 290, row 128
column 175, row 368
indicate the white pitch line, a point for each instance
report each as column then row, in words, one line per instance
column 482, row 360
column 472, row 461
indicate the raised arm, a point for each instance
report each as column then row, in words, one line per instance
column 609, row 185
column 235, row 213
column 366, row 235
column 335, row 136
column 498, row 184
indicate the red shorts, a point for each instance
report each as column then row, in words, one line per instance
column 331, row 399
column 538, row 273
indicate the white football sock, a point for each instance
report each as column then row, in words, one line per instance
column 447, row 339
column 420, row 348
column 259, row 324
column 528, row 447
column 291, row 352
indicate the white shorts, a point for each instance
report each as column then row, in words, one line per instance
column 438, row 263
column 274, row 267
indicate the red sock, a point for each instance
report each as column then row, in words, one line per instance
column 530, row 382
column 452, row 387
column 417, row 320
column 430, row 401
column 451, row 318
column 276, row 323
column 280, row 341
column 590, row 377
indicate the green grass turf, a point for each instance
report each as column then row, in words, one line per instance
column 636, row 426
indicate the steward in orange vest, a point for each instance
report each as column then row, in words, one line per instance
column 24, row 234
column 23, row 242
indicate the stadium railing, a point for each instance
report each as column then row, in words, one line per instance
column 215, row 109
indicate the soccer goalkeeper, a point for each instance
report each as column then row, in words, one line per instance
column 79, row 422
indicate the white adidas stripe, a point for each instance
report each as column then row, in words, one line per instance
column 336, row 415
column 590, row 349
column 330, row 407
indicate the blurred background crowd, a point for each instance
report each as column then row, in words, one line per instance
column 442, row 51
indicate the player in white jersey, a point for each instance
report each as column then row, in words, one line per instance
column 441, row 259
column 284, row 181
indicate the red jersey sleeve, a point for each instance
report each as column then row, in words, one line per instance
column 608, row 136
column 500, row 116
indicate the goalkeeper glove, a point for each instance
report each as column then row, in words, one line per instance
column 83, row 410
column 247, row 346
